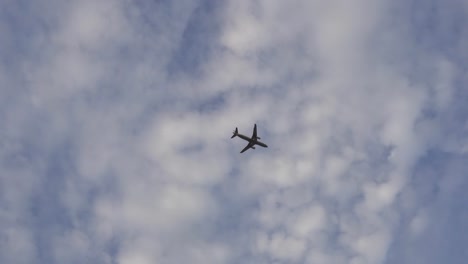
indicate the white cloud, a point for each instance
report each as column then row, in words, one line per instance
column 307, row 221
column 280, row 246
column 418, row 224
column 118, row 144
column 17, row 245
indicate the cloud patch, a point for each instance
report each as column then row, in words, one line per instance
column 115, row 145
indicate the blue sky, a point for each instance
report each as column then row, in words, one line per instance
column 117, row 115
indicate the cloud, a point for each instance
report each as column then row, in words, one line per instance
column 116, row 118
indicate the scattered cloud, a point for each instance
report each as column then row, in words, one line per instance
column 116, row 121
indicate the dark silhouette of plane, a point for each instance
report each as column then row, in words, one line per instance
column 252, row 141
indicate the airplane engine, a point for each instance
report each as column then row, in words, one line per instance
column 252, row 147
column 258, row 138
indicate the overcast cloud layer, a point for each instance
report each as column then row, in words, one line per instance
column 116, row 117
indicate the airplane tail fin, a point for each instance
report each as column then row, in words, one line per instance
column 234, row 133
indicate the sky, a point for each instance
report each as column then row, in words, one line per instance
column 116, row 118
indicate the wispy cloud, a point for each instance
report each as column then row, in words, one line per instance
column 116, row 118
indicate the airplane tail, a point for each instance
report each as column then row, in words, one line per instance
column 234, row 133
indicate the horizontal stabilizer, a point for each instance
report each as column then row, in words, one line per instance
column 234, row 133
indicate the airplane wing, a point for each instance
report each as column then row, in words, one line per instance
column 247, row 147
column 254, row 136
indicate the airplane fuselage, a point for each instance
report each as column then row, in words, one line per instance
column 254, row 141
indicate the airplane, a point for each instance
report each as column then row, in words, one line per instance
column 252, row 141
